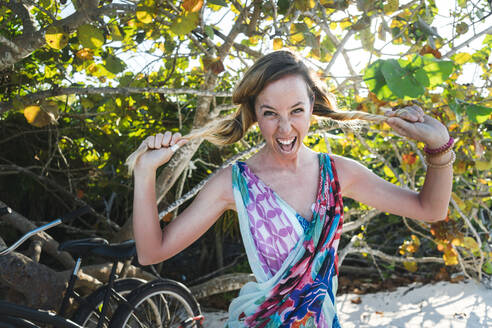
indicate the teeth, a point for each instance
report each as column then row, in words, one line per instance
column 286, row 141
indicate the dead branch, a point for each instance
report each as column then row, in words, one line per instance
column 222, row 284
column 101, row 271
column 352, row 225
column 41, row 286
column 50, row 245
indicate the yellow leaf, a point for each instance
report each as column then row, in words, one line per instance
column 388, row 172
column 410, row 266
column 416, row 240
column 55, row 37
column 192, row 5
column 304, row 5
column 277, row 43
column 333, row 25
column 461, row 58
column 85, row 54
column 115, row 33
column 36, row 116
column 296, row 33
column 458, row 200
column 145, row 17
column 450, row 257
column 471, row 244
column 457, row 241
column 345, row 23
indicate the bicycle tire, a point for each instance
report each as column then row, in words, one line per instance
column 158, row 304
column 34, row 316
column 14, row 322
column 87, row 314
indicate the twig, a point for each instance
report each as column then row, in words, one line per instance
column 455, row 49
column 199, row 186
column 475, row 234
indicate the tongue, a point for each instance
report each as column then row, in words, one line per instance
column 287, row 147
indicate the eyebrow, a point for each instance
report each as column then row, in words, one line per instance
column 270, row 107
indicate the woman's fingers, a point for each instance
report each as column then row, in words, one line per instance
column 401, row 126
column 166, row 139
column 175, row 138
column 410, row 113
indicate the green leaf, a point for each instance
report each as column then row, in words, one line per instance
column 374, row 79
column 487, row 267
column 438, row 71
column 488, row 40
column 218, row 2
column 401, row 81
column 184, row 24
column 478, row 113
column 209, row 31
column 114, row 64
column 90, row 36
column 421, row 77
column 456, row 108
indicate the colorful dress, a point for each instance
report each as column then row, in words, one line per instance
column 294, row 260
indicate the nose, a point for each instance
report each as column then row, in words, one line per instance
column 284, row 125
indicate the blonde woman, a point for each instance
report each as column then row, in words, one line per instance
column 288, row 198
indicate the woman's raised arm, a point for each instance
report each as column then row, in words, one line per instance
column 431, row 203
column 153, row 244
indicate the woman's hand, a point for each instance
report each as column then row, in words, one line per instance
column 412, row 123
column 160, row 149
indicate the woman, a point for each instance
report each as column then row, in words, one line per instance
column 288, row 198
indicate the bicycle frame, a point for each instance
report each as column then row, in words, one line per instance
column 14, row 311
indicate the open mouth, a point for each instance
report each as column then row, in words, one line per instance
column 286, row 144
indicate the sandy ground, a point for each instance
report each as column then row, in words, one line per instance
column 441, row 305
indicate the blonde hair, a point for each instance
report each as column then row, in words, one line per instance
column 267, row 69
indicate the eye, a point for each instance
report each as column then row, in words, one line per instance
column 268, row 113
column 298, row 110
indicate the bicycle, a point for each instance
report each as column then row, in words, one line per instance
column 161, row 303
column 93, row 311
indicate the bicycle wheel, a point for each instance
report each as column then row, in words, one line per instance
column 13, row 322
column 162, row 303
column 88, row 313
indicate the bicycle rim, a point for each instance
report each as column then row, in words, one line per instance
column 88, row 314
column 162, row 305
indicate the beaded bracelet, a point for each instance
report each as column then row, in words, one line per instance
column 442, row 149
column 441, row 166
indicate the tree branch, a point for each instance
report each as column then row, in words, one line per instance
column 48, row 182
column 33, row 97
column 22, row 46
column 352, row 225
column 467, row 42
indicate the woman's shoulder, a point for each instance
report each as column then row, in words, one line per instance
column 221, row 184
column 347, row 169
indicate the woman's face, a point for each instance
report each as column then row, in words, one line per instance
column 283, row 110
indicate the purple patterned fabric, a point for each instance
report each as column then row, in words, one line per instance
column 272, row 230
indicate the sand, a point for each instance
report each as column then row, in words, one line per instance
column 441, row 305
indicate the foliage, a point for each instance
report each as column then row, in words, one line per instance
column 91, row 89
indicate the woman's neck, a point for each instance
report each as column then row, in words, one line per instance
column 270, row 160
